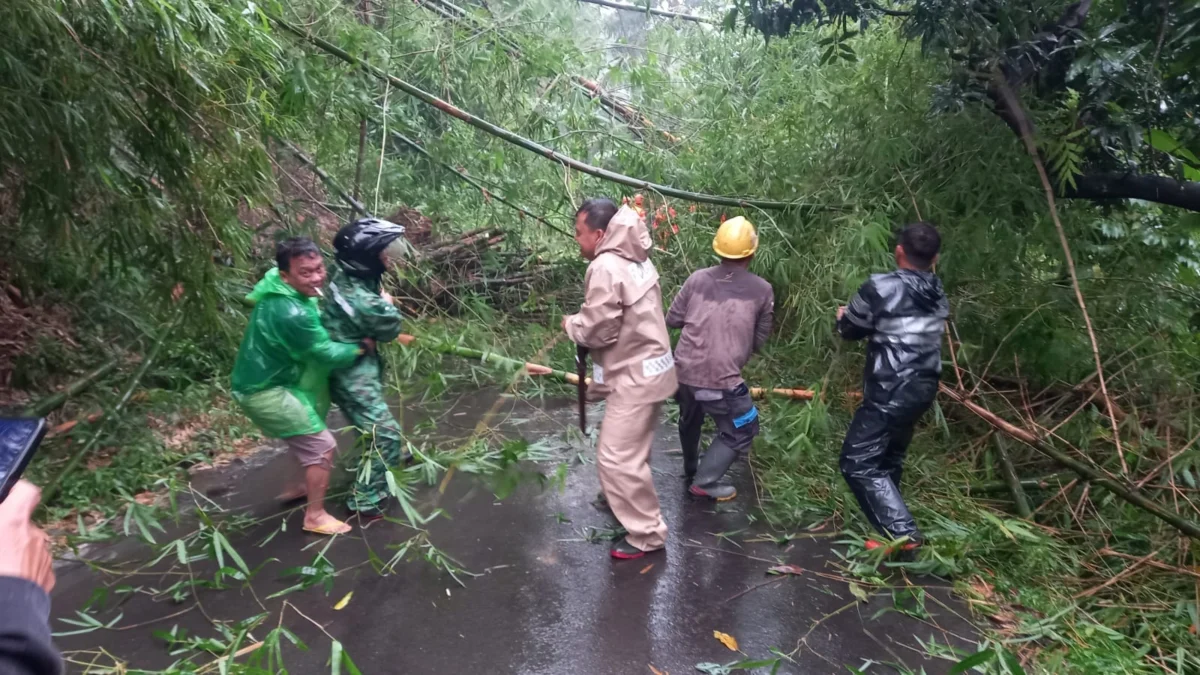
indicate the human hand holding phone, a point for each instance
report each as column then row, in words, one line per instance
column 26, row 550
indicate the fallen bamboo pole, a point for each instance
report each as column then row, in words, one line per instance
column 1011, row 477
column 626, row 113
column 1129, row 494
column 51, row 490
column 649, row 10
column 55, row 401
column 527, row 144
column 1044, row 483
column 1151, row 562
column 572, row 378
column 326, row 178
column 481, row 355
column 483, row 189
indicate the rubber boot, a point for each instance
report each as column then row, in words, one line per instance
column 713, row 466
column 718, row 492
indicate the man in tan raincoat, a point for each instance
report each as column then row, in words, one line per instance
column 622, row 323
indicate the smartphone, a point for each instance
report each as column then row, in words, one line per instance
column 19, row 439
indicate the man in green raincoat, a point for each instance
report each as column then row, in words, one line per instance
column 357, row 308
column 280, row 378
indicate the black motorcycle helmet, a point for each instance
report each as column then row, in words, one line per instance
column 359, row 244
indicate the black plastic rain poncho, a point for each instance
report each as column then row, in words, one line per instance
column 903, row 316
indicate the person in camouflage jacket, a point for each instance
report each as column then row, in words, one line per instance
column 357, row 308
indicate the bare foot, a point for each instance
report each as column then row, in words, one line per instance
column 323, row 523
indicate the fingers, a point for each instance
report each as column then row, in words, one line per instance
column 21, row 502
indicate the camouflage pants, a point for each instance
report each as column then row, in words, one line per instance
column 358, row 391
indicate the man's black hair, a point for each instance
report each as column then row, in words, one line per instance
column 295, row 247
column 921, row 243
column 598, row 211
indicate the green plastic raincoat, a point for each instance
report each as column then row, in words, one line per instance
column 281, row 376
column 355, row 310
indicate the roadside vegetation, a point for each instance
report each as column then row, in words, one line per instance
column 152, row 152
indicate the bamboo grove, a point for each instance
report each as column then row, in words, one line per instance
column 150, row 152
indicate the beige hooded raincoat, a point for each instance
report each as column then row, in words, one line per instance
column 622, row 320
column 622, row 323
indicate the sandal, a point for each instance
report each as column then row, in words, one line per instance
column 331, row 528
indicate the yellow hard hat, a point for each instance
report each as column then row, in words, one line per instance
column 736, row 239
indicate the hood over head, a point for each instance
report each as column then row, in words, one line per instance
column 627, row 236
column 273, row 284
column 924, row 288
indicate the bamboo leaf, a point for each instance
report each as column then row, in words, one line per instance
column 973, row 661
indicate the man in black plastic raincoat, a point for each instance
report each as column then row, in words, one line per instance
column 902, row 314
column 357, row 308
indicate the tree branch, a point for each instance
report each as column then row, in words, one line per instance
column 1024, row 63
column 1158, row 189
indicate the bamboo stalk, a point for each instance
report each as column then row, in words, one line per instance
column 1130, row 569
column 1011, row 477
column 617, row 109
column 51, row 490
column 794, row 394
column 487, row 194
column 632, row 118
column 1151, row 562
column 649, row 10
column 1043, row 483
column 362, row 148
column 55, row 401
column 1023, row 124
column 484, row 356
column 532, row 146
column 1129, row 494
column 328, row 180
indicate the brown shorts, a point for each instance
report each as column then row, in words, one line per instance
column 312, row 449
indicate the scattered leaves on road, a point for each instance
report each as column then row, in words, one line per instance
column 341, row 604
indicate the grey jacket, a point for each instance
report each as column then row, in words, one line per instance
column 25, row 647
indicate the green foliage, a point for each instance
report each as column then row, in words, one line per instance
column 1127, row 64
column 134, row 142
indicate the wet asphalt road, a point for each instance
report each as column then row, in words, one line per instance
column 545, row 601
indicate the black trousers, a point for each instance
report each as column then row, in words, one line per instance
column 737, row 425
column 872, row 460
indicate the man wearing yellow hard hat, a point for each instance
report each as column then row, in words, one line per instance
column 725, row 312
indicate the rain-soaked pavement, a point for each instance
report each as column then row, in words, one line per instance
column 546, row 599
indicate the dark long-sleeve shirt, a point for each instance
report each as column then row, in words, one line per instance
column 25, row 647
column 725, row 313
